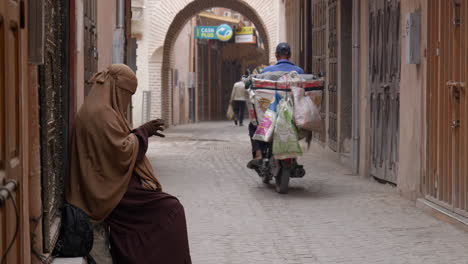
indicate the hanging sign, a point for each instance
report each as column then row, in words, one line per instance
column 246, row 39
column 224, row 32
column 205, row 32
column 244, row 31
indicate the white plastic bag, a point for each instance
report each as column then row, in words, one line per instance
column 230, row 113
column 306, row 113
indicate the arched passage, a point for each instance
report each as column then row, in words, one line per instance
column 167, row 20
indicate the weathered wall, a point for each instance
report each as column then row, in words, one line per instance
column 139, row 27
column 79, row 53
column 106, row 19
column 182, row 65
column 412, row 105
column 364, row 99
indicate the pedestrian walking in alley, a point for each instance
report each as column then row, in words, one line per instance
column 112, row 180
column 238, row 97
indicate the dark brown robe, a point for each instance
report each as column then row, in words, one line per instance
column 148, row 226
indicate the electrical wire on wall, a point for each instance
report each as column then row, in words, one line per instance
column 9, row 193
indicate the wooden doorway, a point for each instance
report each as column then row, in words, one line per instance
column 446, row 182
column 384, row 80
column 13, row 110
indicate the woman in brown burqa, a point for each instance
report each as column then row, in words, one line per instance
column 113, row 181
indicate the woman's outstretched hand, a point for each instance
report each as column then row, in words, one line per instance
column 153, row 127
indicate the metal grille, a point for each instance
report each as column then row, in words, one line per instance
column 146, row 113
column 384, row 63
column 333, row 75
column 319, row 53
column 53, row 119
column 446, row 182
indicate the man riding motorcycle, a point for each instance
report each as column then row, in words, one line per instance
column 283, row 54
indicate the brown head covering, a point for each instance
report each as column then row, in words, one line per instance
column 104, row 151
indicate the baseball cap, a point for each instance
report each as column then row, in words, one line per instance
column 283, row 49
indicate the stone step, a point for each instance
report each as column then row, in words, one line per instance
column 69, row 261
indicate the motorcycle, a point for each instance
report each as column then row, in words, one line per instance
column 279, row 170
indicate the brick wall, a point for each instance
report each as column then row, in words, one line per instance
column 165, row 19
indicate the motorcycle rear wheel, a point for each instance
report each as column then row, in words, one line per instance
column 282, row 181
column 266, row 179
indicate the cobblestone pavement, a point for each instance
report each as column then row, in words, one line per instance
column 327, row 217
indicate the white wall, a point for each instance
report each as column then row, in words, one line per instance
column 182, row 65
column 159, row 17
column 142, row 65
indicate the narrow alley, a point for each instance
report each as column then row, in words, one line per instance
column 328, row 216
column 378, row 88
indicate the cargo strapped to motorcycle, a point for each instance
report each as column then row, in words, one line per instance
column 284, row 86
column 318, row 88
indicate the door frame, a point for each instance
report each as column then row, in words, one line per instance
column 445, row 182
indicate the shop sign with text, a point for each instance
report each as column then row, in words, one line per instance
column 246, row 39
column 205, row 32
column 222, row 32
column 244, row 31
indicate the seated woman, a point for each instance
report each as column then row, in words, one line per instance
column 113, row 181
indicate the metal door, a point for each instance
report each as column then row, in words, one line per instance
column 319, row 53
column 53, row 94
column 384, row 80
column 333, row 74
column 90, row 42
column 446, row 182
column 11, row 156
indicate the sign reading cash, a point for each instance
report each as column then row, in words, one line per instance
column 205, row 32
column 222, row 32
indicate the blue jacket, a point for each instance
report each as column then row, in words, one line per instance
column 283, row 65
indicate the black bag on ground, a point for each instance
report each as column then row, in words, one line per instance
column 76, row 233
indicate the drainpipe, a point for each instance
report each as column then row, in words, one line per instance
column 355, row 85
column 118, row 43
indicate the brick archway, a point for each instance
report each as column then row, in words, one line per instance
column 169, row 17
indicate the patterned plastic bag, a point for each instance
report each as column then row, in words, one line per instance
column 266, row 127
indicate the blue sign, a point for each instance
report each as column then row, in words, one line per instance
column 207, row 32
column 224, row 32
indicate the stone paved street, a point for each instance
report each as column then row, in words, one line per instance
column 327, row 217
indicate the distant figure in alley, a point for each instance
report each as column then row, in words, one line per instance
column 238, row 97
column 112, row 180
